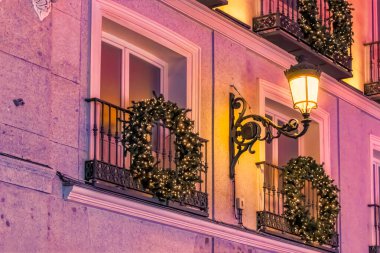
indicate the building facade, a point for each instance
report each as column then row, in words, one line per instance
column 70, row 71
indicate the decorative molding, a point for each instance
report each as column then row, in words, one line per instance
column 374, row 145
column 267, row 50
column 180, row 221
column 42, row 7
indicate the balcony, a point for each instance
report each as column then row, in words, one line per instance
column 279, row 22
column 372, row 87
column 271, row 220
column 108, row 166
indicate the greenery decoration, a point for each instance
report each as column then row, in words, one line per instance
column 164, row 183
column 336, row 43
column 341, row 37
column 309, row 228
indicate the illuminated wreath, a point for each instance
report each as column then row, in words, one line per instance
column 164, row 183
column 319, row 230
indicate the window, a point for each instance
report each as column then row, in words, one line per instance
column 129, row 61
column 282, row 149
column 133, row 67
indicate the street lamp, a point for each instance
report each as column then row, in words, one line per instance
column 245, row 130
column 303, row 80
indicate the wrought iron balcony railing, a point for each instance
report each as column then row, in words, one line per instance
column 279, row 23
column 374, row 249
column 372, row 87
column 108, row 166
column 271, row 220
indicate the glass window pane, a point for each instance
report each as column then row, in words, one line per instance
column 110, row 83
column 110, row 74
column 287, row 148
column 144, row 78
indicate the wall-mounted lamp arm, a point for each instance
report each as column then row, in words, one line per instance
column 245, row 130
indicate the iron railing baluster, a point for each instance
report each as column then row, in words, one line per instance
column 107, row 168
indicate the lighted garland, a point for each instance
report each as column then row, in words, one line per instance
column 342, row 26
column 310, row 229
column 310, row 24
column 164, row 183
column 338, row 42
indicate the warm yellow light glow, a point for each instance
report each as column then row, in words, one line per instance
column 242, row 10
column 304, row 91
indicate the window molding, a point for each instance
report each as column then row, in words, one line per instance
column 130, row 49
column 374, row 145
column 155, row 31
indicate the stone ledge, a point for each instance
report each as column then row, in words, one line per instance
column 85, row 195
column 27, row 174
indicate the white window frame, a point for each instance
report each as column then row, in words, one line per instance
column 130, row 49
column 276, row 115
column 156, row 32
column 374, row 146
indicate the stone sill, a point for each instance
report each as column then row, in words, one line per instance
column 86, row 195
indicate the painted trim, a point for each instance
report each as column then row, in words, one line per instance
column 157, row 32
column 267, row 50
column 130, row 49
column 177, row 220
column 374, row 143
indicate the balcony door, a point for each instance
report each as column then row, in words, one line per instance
column 129, row 74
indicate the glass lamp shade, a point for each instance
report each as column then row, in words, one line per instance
column 304, row 91
column 303, row 80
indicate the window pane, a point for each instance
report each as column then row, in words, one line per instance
column 144, row 78
column 110, row 83
column 287, row 148
column 110, row 74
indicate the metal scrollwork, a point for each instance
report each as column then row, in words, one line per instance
column 245, row 130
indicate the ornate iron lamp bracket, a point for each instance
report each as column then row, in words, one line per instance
column 246, row 129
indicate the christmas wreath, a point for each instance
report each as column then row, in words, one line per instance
column 164, row 183
column 309, row 228
column 338, row 42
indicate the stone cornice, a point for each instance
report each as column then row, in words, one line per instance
column 88, row 196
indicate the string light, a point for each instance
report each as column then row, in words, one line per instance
column 309, row 228
column 336, row 43
column 164, row 183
